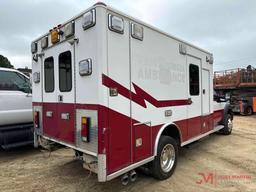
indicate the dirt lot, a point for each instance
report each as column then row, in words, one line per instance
column 217, row 163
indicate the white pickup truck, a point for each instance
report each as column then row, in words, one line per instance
column 15, row 109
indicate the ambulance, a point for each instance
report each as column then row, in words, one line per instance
column 122, row 94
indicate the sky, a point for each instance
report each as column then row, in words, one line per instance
column 226, row 28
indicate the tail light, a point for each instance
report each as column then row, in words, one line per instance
column 36, row 119
column 85, row 127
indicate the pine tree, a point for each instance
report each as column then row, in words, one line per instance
column 4, row 62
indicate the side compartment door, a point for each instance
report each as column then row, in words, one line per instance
column 194, row 110
column 141, row 121
column 118, row 79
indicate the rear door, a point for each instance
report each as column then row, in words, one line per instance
column 58, row 92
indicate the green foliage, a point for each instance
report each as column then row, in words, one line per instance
column 4, row 62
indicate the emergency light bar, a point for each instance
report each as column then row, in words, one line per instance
column 89, row 19
column 115, row 24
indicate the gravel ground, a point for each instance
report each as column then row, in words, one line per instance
column 216, row 163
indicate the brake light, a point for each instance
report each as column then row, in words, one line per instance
column 85, row 125
column 36, row 119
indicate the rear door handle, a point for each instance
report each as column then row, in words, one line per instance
column 60, row 98
column 190, row 101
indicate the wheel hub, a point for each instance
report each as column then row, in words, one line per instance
column 167, row 158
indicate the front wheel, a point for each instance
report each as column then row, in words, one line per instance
column 228, row 125
column 165, row 162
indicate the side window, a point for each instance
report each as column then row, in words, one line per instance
column 49, row 74
column 65, row 71
column 193, row 79
column 13, row 81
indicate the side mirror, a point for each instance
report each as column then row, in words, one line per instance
column 219, row 99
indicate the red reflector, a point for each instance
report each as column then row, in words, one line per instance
column 36, row 119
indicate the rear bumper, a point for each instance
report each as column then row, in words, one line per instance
column 100, row 159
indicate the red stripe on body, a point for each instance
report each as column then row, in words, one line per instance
column 140, row 96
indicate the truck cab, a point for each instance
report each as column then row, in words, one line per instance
column 16, row 109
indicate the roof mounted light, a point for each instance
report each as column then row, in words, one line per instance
column 34, row 47
column 209, row 59
column 137, row 31
column 85, row 67
column 69, row 29
column 44, row 42
column 116, row 23
column 54, row 35
column 183, row 49
column 89, row 19
column 36, row 77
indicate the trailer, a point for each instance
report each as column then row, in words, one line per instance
column 122, row 93
column 239, row 87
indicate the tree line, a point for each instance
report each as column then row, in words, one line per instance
column 4, row 62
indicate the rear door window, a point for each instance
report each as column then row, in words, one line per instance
column 49, row 74
column 65, row 71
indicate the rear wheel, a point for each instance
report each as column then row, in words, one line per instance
column 248, row 111
column 228, row 125
column 165, row 162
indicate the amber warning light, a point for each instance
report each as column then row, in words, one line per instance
column 54, row 35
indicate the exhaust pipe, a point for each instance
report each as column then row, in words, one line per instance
column 125, row 179
column 133, row 176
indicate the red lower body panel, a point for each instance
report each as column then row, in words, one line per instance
column 56, row 127
column 116, row 138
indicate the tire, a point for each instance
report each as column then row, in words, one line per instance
column 228, row 125
column 248, row 111
column 163, row 172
